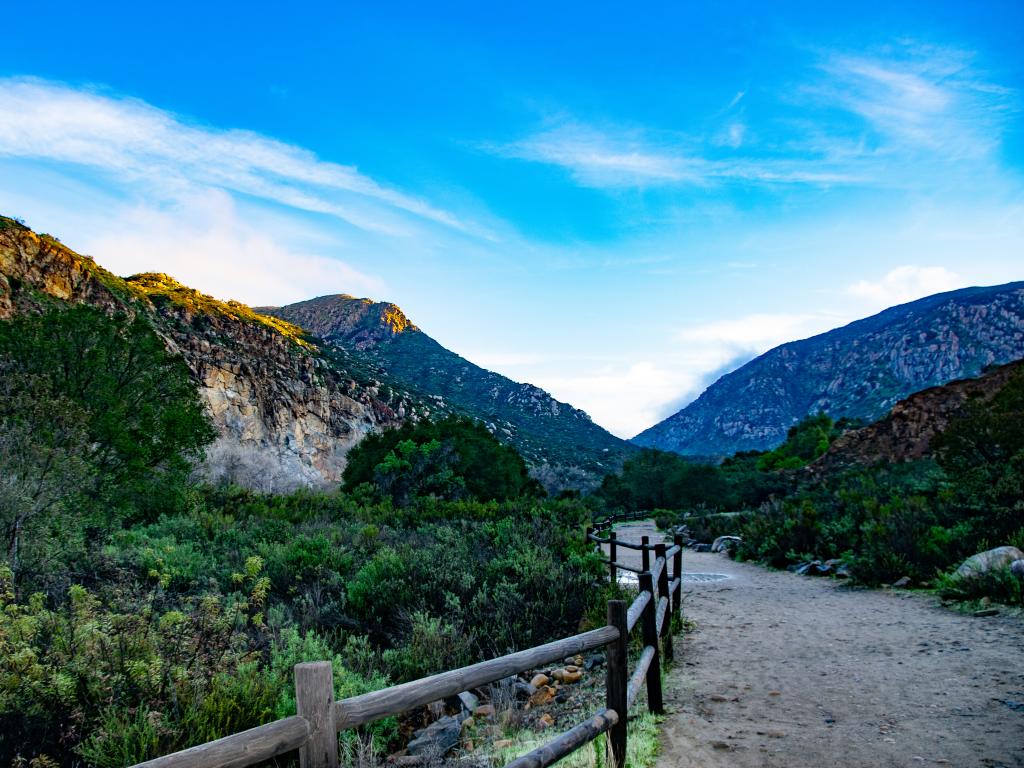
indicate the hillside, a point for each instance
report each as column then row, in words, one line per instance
column 860, row 370
column 909, row 430
column 561, row 442
column 286, row 415
column 288, row 407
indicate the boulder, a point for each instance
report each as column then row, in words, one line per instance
column 725, row 543
column 524, row 690
column 1017, row 569
column 539, row 680
column 437, row 739
column 902, row 583
column 986, row 562
column 814, row 568
column 485, row 710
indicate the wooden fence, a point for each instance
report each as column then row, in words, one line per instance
column 313, row 731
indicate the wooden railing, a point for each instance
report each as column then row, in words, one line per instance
column 313, row 731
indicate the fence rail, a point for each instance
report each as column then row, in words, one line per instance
column 313, row 731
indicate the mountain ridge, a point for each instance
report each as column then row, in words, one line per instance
column 551, row 434
column 287, row 406
column 858, row 370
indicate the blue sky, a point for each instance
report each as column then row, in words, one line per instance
column 616, row 204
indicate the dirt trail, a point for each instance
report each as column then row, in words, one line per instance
column 786, row 670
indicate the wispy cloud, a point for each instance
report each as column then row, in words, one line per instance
column 221, row 252
column 919, row 97
column 611, row 158
column 133, row 140
column 864, row 118
column 904, row 284
column 597, row 158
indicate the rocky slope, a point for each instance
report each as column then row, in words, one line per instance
column 289, row 406
column 860, row 370
column 561, row 443
column 908, row 430
column 286, row 413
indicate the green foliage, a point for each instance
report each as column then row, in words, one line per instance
column 804, row 443
column 450, row 459
column 137, row 407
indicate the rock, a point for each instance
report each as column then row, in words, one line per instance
column 594, row 660
column 725, row 543
column 436, row 709
column 468, row 724
column 902, row 583
column 986, row 562
column 543, row 695
column 486, row 710
column 1017, row 569
column 813, row 568
column 567, row 675
column 437, row 739
column 524, row 690
column 538, row 680
column 468, row 701
column 545, row 721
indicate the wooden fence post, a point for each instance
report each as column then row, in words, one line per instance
column 649, row 628
column 666, row 628
column 314, row 700
column 617, row 681
column 645, row 554
column 611, row 556
column 677, row 568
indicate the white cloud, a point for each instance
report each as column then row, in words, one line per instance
column 203, row 242
column 610, row 159
column 600, row 159
column 619, row 398
column 920, row 98
column 904, row 284
column 134, row 141
column 757, row 332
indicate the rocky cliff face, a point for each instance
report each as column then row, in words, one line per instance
column 909, row 429
column 562, row 445
column 860, row 370
column 287, row 415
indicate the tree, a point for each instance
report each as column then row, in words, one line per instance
column 134, row 401
column 43, row 467
column 450, row 459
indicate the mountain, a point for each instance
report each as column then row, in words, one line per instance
column 909, row 430
column 287, row 406
column 860, row 370
column 560, row 442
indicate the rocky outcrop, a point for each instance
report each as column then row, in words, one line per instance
column 908, row 430
column 561, row 444
column 286, row 414
column 860, row 371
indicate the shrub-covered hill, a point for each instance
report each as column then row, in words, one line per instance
column 559, row 441
column 288, row 408
column 858, row 371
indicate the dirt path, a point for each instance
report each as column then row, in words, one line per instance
column 786, row 670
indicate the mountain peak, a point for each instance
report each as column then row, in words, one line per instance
column 860, row 370
column 339, row 317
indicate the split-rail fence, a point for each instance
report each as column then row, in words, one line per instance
column 313, row 731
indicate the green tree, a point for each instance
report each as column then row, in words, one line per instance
column 450, row 459
column 137, row 405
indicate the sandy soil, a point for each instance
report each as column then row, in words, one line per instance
column 786, row 670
